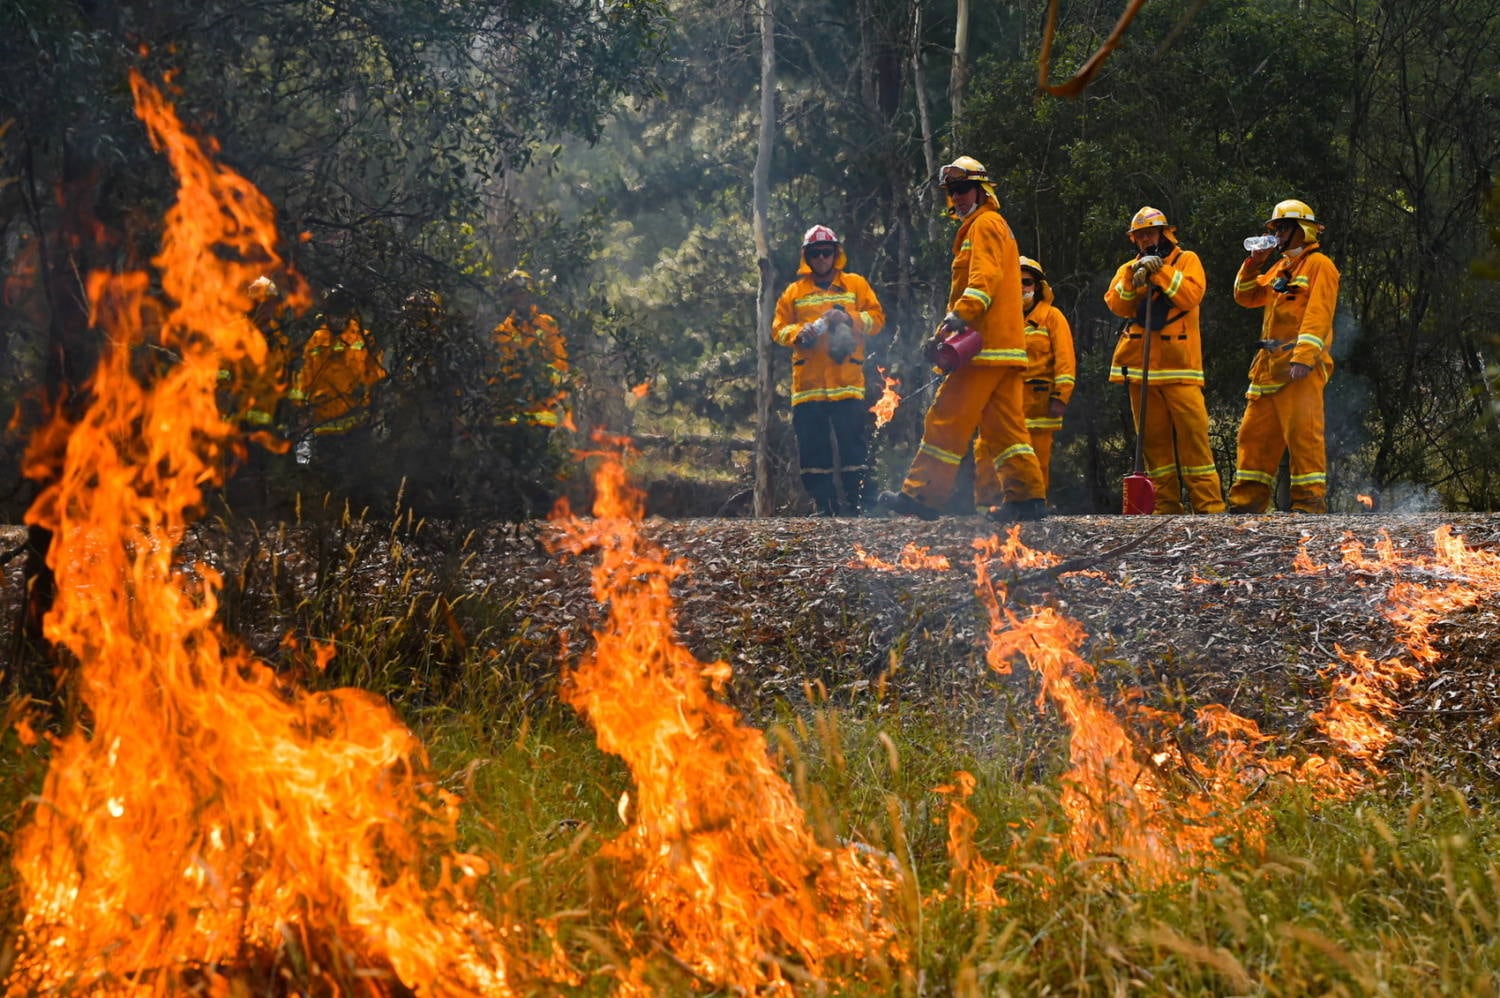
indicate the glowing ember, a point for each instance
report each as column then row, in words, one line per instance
column 211, row 825
column 885, row 406
column 640, row 390
column 717, row 843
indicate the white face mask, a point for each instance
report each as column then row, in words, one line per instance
column 1028, row 295
column 964, row 212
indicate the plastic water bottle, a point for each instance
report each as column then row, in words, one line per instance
column 1254, row 244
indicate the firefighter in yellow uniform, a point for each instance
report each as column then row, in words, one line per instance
column 534, row 369
column 250, row 393
column 340, row 369
column 826, row 315
column 1159, row 291
column 986, row 392
column 1284, row 411
column 1051, row 371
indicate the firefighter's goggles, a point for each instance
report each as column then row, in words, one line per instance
column 813, row 252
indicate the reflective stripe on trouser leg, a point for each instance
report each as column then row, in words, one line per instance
column 1195, row 458
column 987, row 398
column 1258, row 450
column 1159, row 454
column 1177, row 449
column 851, row 429
column 1042, row 426
column 987, row 491
column 812, row 422
column 1301, row 413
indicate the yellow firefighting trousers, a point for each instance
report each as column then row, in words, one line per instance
column 1041, row 426
column 1177, row 451
column 988, row 398
column 1289, row 419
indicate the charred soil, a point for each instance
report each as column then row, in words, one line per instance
column 1180, row 612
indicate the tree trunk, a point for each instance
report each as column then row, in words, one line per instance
column 959, row 80
column 929, row 155
column 764, row 385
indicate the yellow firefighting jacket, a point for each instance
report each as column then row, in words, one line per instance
column 1177, row 351
column 338, row 373
column 985, row 288
column 815, row 375
column 1298, row 317
column 525, row 341
column 1051, row 368
column 251, row 392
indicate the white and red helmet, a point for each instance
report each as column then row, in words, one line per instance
column 819, row 234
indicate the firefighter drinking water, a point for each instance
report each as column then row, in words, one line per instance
column 1158, row 292
column 826, row 316
column 1284, row 409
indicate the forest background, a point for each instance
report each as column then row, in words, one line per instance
column 606, row 148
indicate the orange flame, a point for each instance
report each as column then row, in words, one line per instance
column 1368, row 502
column 913, row 558
column 1363, row 695
column 885, row 406
column 971, row 877
column 1121, row 801
column 717, row 843
column 212, row 822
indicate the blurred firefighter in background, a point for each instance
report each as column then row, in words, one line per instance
column 1051, row 371
column 530, row 396
column 986, row 393
column 1284, row 407
column 1158, row 292
column 251, row 395
column 333, row 391
column 825, row 316
column 533, row 374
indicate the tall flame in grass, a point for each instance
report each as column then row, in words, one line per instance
column 717, row 844
column 208, row 826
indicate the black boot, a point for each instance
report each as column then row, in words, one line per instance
column 1020, row 511
column 901, row 504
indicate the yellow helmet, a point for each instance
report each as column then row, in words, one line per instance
column 1149, row 218
column 1291, row 208
column 1296, row 211
column 967, row 168
column 1027, row 263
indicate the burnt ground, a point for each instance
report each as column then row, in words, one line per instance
column 1179, row 612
